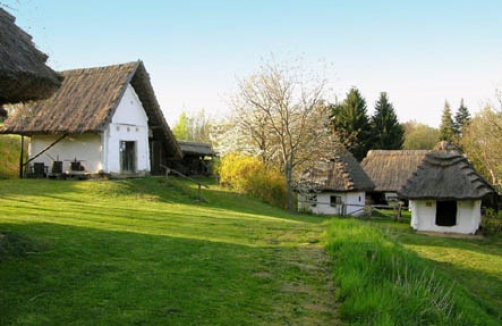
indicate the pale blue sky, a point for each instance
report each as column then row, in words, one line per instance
column 420, row 52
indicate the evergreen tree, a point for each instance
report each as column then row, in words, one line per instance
column 446, row 130
column 388, row 133
column 462, row 118
column 351, row 124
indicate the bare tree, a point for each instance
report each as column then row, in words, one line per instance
column 281, row 111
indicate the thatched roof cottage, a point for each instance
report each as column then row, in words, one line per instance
column 390, row 169
column 108, row 118
column 23, row 73
column 445, row 194
column 334, row 187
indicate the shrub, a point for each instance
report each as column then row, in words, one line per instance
column 249, row 175
column 491, row 223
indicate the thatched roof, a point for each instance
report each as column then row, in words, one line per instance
column 445, row 175
column 23, row 73
column 86, row 103
column 196, row 148
column 342, row 174
column 390, row 169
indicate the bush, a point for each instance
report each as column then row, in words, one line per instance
column 491, row 222
column 248, row 175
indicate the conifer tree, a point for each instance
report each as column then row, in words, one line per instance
column 351, row 124
column 388, row 133
column 446, row 130
column 462, row 118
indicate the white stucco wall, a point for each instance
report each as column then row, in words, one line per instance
column 323, row 204
column 129, row 123
column 86, row 147
column 423, row 217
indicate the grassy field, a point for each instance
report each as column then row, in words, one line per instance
column 143, row 252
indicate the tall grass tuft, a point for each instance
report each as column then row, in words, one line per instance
column 382, row 283
column 9, row 153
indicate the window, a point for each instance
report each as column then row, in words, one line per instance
column 446, row 213
column 311, row 198
column 335, row 201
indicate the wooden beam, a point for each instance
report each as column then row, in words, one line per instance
column 46, row 149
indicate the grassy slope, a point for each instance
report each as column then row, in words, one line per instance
column 388, row 275
column 9, row 154
column 143, row 252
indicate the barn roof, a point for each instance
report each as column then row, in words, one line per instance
column 445, row 175
column 390, row 169
column 342, row 173
column 23, row 73
column 196, row 148
column 87, row 101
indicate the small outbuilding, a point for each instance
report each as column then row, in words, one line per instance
column 197, row 158
column 389, row 170
column 334, row 187
column 103, row 120
column 445, row 194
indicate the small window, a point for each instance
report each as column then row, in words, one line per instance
column 311, row 198
column 335, row 201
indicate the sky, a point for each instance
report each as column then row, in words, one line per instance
column 420, row 52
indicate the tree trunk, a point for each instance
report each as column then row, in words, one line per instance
column 288, row 172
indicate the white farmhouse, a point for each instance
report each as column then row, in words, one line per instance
column 102, row 120
column 334, row 187
column 445, row 194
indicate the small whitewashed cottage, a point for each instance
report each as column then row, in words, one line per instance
column 334, row 187
column 445, row 194
column 107, row 119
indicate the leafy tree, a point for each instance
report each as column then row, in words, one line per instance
column 462, row 118
column 180, row 129
column 419, row 136
column 481, row 143
column 446, row 130
column 193, row 127
column 351, row 124
column 388, row 133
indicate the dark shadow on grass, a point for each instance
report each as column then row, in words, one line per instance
column 91, row 276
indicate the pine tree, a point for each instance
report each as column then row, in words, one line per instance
column 462, row 118
column 388, row 133
column 446, row 130
column 351, row 124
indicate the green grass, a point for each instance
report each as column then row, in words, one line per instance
column 9, row 152
column 143, row 252
column 387, row 275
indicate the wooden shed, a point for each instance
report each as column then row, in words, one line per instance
column 197, row 158
column 445, row 194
